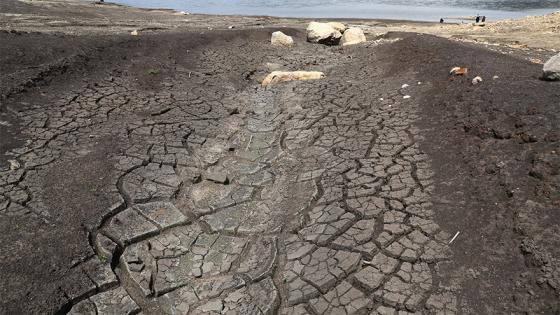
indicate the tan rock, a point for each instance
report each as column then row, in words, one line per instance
column 353, row 36
column 323, row 33
column 285, row 76
column 338, row 26
column 281, row 39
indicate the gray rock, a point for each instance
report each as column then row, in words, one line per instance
column 551, row 69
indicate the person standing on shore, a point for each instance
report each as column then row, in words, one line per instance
column 477, row 18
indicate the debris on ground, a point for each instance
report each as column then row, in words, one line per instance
column 459, row 71
column 476, row 80
column 14, row 165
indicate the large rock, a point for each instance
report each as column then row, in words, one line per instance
column 323, row 33
column 282, row 76
column 551, row 69
column 338, row 26
column 281, row 39
column 353, row 36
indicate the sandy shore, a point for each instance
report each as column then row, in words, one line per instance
column 154, row 174
column 80, row 17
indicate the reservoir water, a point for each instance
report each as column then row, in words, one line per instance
column 419, row 10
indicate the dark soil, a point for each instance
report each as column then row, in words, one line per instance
column 494, row 147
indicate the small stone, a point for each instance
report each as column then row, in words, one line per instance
column 495, row 77
column 14, row 165
column 476, row 80
column 134, row 33
column 406, row 97
column 281, row 39
column 353, row 36
column 551, row 69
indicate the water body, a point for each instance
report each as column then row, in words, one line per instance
column 419, row 10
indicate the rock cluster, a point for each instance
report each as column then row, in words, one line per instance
column 334, row 33
column 331, row 33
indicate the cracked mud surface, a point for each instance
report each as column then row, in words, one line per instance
column 156, row 176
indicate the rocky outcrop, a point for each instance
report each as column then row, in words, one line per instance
column 353, row 36
column 551, row 69
column 281, row 39
column 323, row 33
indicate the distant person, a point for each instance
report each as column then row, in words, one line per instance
column 441, row 20
column 477, row 18
column 483, row 18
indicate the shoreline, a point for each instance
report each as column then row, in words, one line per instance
column 78, row 17
column 494, row 14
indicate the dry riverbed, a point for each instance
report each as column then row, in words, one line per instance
column 154, row 173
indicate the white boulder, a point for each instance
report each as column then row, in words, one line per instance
column 352, row 36
column 323, row 33
column 551, row 69
column 338, row 26
column 281, row 39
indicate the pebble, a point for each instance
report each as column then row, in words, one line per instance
column 476, row 80
column 406, row 97
column 14, row 165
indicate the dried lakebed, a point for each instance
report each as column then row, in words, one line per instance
column 168, row 181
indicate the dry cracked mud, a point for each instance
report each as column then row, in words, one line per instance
column 154, row 175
